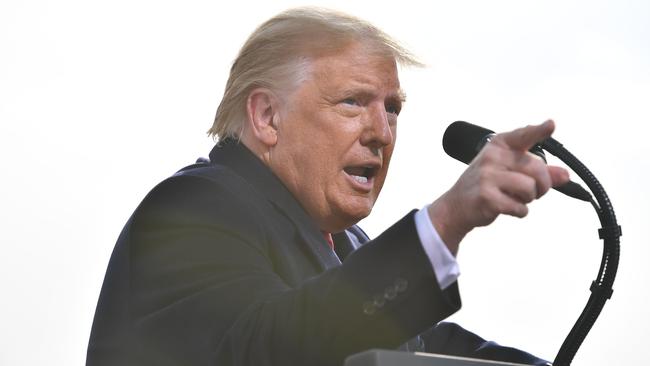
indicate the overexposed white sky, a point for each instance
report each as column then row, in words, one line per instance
column 99, row 101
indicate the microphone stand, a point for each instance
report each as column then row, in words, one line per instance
column 610, row 232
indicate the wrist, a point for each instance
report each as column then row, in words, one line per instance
column 443, row 214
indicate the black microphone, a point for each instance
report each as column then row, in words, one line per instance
column 463, row 141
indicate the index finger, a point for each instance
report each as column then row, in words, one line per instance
column 524, row 138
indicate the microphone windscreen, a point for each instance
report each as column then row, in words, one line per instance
column 463, row 140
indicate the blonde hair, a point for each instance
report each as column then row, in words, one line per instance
column 277, row 53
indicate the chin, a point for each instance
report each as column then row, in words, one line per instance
column 350, row 215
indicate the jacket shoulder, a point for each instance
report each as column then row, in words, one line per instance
column 209, row 196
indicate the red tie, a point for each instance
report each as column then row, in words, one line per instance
column 328, row 239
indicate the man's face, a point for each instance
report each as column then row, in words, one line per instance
column 336, row 135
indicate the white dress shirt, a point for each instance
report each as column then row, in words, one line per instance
column 443, row 262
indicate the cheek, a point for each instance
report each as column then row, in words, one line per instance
column 387, row 154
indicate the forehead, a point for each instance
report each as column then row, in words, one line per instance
column 356, row 67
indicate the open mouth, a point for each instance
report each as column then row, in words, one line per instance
column 361, row 174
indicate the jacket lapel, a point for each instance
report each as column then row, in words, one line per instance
column 239, row 159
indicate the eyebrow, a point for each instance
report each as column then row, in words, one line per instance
column 398, row 96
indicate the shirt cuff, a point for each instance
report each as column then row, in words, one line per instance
column 443, row 262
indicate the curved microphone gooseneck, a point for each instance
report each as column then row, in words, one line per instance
column 464, row 140
column 610, row 232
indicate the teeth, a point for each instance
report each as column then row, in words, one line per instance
column 360, row 179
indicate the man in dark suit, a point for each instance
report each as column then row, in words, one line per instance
column 231, row 261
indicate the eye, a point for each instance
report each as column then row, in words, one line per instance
column 393, row 108
column 350, row 101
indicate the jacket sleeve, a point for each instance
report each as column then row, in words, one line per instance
column 451, row 339
column 203, row 287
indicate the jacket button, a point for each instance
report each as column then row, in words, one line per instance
column 369, row 308
column 390, row 293
column 379, row 301
column 401, row 284
column 420, row 345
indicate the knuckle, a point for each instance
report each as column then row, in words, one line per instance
column 542, row 190
column 543, row 179
column 516, row 209
column 529, row 195
column 531, row 190
column 499, row 207
column 522, row 211
column 540, row 168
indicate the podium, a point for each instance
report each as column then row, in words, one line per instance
column 376, row 357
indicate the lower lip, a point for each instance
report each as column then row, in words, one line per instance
column 362, row 187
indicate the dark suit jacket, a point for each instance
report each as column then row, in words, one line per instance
column 220, row 265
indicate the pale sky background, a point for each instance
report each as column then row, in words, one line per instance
column 99, row 101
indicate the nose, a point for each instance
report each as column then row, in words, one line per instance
column 377, row 130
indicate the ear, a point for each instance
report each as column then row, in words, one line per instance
column 262, row 109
